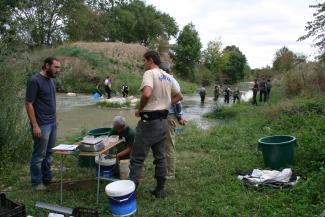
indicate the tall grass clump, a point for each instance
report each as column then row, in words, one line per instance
column 305, row 79
column 15, row 138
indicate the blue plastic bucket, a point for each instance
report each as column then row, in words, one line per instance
column 96, row 96
column 107, row 167
column 122, row 199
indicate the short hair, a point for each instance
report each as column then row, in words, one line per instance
column 164, row 65
column 119, row 120
column 154, row 56
column 49, row 61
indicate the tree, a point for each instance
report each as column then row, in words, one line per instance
column 212, row 57
column 40, row 21
column 9, row 40
column 6, row 25
column 316, row 28
column 284, row 60
column 84, row 24
column 105, row 5
column 136, row 22
column 187, row 51
column 235, row 63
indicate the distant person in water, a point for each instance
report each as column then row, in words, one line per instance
column 202, row 93
column 125, row 89
column 97, row 91
column 108, row 87
column 227, row 95
column 263, row 90
column 255, row 90
column 216, row 92
column 236, row 95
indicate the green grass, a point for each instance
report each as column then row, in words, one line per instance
column 83, row 76
column 108, row 104
column 207, row 162
column 187, row 87
column 94, row 58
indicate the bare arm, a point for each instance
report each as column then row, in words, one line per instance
column 146, row 93
column 32, row 118
column 177, row 97
column 125, row 152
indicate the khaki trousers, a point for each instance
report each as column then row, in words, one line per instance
column 170, row 149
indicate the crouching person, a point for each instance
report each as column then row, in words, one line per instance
column 122, row 151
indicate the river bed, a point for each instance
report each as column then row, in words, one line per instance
column 80, row 113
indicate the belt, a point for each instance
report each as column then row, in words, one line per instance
column 153, row 115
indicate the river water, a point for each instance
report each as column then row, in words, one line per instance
column 78, row 113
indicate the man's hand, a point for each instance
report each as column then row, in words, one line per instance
column 37, row 131
column 137, row 113
column 182, row 121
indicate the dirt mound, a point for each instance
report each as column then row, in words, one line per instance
column 115, row 50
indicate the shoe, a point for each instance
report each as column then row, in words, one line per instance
column 170, row 177
column 158, row 193
column 40, row 187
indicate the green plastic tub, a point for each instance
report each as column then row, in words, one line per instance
column 278, row 151
column 99, row 131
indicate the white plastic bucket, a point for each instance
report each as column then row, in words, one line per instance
column 124, row 168
column 106, row 167
column 122, row 199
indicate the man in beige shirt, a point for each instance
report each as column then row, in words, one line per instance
column 158, row 91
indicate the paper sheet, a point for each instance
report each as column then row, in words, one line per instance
column 65, row 147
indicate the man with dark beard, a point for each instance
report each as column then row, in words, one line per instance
column 41, row 110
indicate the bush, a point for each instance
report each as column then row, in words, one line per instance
column 15, row 138
column 304, row 119
column 305, row 79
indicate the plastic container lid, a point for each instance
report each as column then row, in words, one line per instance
column 106, row 162
column 120, row 188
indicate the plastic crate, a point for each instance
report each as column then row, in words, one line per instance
column 84, row 212
column 11, row 209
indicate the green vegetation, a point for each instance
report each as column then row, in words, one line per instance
column 84, row 69
column 106, row 103
column 187, row 52
column 90, row 68
column 15, row 139
column 46, row 23
column 315, row 28
column 207, row 162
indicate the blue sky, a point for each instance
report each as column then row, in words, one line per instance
column 257, row 27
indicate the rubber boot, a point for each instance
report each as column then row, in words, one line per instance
column 159, row 191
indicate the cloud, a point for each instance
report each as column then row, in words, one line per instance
column 257, row 27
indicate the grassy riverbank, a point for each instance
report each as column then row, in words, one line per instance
column 207, row 162
column 84, row 65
